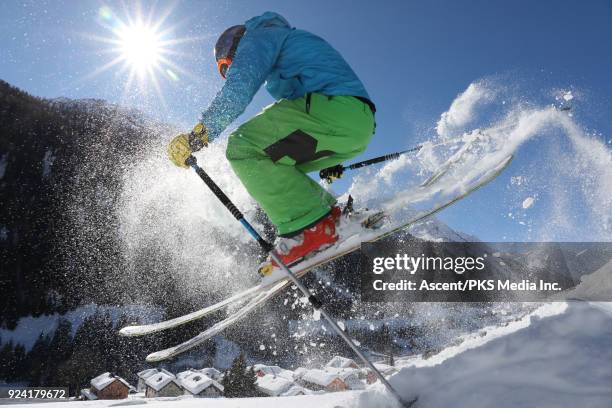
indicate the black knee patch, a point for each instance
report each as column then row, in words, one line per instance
column 299, row 146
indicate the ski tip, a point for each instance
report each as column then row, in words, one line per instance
column 129, row 331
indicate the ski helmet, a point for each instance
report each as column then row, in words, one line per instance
column 226, row 46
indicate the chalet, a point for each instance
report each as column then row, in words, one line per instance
column 200, row 385
column 350, row 376
column 322, row 380
column 341, row 362
column 107, row 386
column 211, row 373
column 370, row 378
column 144, row 374
column 262, row 370
column 272, row 385
column 184, row 374
column 162, row 384
column 86, row 394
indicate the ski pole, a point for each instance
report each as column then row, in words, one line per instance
column 331, row 173
column 316, row 303
column 334, row 172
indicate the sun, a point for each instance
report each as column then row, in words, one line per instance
column 140, row 46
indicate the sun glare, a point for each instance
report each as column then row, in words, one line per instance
column 140, row 46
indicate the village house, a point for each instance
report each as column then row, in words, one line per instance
column 341, row 362
column 262, row 370
column 211, row 373
column 272, row 385
column 322, row 380
column 144, row 374
column 163, row 384
column 107, row 386
column 200, row 385
column 369, row 377
column 184, row 374
column 350, row 376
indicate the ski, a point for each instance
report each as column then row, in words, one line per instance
column 351, row 244
column 142, row 330
column 243, row 296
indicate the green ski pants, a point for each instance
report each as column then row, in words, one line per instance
column 272, row 152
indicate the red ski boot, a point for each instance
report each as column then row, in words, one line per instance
column 311, row 240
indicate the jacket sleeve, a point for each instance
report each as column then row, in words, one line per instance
column 256, row 55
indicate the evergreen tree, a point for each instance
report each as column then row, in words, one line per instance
column 239, row 381
column 90, row 356
column 60, row 347
column 38, row 360
column 7, row 361
column 61, row 343
column 128, row 356
column 20, row 373
column 79, row 369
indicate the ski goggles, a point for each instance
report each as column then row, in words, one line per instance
column 226, row 46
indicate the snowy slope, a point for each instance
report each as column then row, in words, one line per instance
column 558, row 361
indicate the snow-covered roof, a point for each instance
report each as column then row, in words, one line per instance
column 274, row 370
column 88, row 394
column 210, row 372
column 144, row 374
column 341, row 362
column 160, row 380
column 319, row 377
column 185, row 374
column 343, row 373
column 104, row 380
column 197, row 382
column 273, row 385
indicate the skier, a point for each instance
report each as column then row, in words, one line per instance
column 322, row 116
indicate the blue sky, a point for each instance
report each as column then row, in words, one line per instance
column 413, row 56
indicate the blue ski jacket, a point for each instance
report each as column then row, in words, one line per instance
column 291, row 62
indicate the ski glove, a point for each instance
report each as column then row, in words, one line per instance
column 332, row 173
column 183, row 145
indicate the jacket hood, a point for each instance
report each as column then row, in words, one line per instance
column 267, row 19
